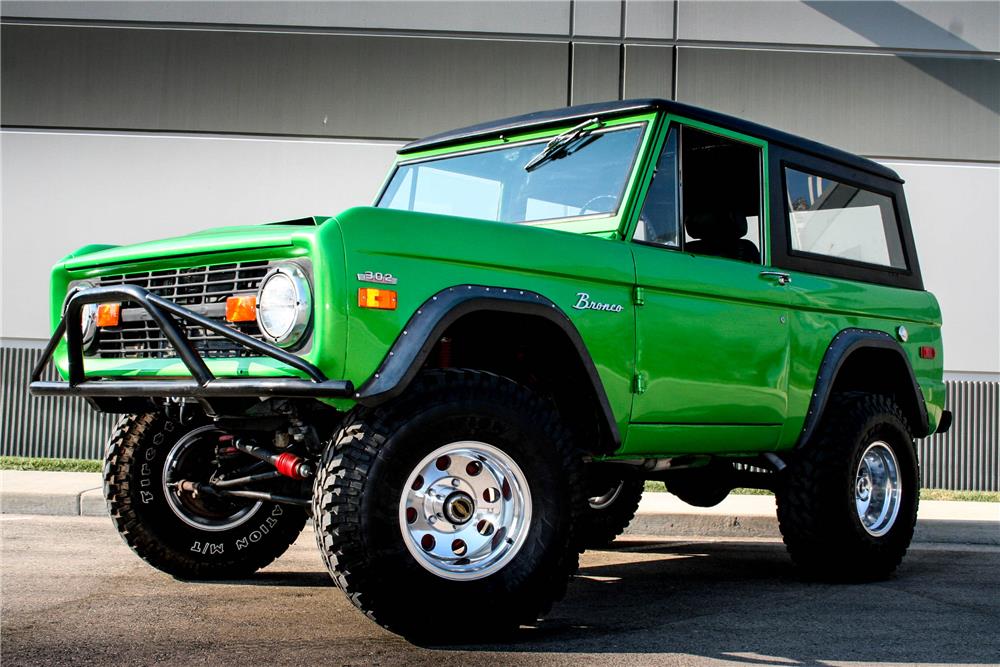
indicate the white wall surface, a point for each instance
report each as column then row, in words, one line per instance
column 955, row 214
column 63, row 190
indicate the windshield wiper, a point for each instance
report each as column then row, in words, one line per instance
column 560, row 143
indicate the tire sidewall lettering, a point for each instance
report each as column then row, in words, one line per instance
column 260, row 528
column 149, row 502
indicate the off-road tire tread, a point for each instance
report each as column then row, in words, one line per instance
column 342, row 480
column 820, row 534
column 125, row 438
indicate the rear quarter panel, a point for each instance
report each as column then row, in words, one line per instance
column 821, row 307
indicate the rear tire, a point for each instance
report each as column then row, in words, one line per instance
column 223, row 542
column 611, row 506
column 848, row 504
column 374, row 508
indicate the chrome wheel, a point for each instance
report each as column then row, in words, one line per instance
column 465, row 510
column 192, row 459
column 877, row 490
column 605, row 500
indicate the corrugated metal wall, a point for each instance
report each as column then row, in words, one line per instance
column 964, row 459
column 49, row 427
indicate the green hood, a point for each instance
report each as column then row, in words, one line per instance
column 218, row 239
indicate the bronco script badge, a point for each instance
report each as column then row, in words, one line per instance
column 584, row 303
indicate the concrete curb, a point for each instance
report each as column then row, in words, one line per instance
column 660, row 514
column 53, row 493
column 700, row 525
column 953, row 522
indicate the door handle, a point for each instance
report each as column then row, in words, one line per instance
column 781, row 278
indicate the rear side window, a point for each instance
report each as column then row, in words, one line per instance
column 827, row 217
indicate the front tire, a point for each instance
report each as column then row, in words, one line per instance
column 187, row 538
column 848, row 504
column 447, row 514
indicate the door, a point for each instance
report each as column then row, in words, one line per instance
column 712, row 327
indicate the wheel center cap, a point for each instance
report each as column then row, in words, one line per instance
column 864, row 487
column 459, row 507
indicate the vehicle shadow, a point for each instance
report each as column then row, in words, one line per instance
column 743, row 602
column 318, row 579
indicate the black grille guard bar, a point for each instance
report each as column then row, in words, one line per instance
column 202, row 384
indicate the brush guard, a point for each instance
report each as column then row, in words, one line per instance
column 124, row 395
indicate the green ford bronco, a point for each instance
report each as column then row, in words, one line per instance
column 467, row 384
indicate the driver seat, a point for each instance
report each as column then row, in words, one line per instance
column 720, row 234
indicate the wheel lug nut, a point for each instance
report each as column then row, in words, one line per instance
column 455, row 482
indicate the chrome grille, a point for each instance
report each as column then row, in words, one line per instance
column 203, row 289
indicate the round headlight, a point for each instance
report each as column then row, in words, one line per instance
column 284, row 305
column 88, row 314
column 88, row 322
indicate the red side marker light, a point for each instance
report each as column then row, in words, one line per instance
column 382, row 299
column 109, row 314
column 241, row 308
column 927, row 352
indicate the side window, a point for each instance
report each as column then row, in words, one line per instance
column 720, row 191
column 827, row 217
column 658, row 218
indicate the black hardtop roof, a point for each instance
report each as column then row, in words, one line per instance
column 565, row 115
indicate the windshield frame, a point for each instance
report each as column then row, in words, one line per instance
column 591, row 223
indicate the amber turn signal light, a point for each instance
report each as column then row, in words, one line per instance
column 241, row 308
column 109, row 314
column 371, row 297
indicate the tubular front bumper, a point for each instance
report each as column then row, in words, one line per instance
column 202, row 384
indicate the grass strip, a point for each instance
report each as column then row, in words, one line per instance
column 49, row 465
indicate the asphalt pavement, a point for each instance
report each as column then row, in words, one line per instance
column 73, row 594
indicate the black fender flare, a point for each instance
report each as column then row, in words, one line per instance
column 840, row 349
column 426, row 326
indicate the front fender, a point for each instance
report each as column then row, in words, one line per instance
column 422, row 331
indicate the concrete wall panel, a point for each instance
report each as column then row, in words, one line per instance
column 64, row 190
column 596, row 70
column 270, row 83
column 529, row 17
column 949, row 26
column 597, row 18
column 649, row 19
column 649, row 71
column 881, row 105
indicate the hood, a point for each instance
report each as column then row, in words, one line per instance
column 375, row 237
column 218, row 239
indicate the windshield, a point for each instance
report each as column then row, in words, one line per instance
column 587, row 178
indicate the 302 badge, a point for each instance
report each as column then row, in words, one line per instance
column 377, row 277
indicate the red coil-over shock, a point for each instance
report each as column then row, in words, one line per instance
column 286, row 463
column 444, row 353
column 290, row 465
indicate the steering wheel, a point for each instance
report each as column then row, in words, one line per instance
column 586, row 206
